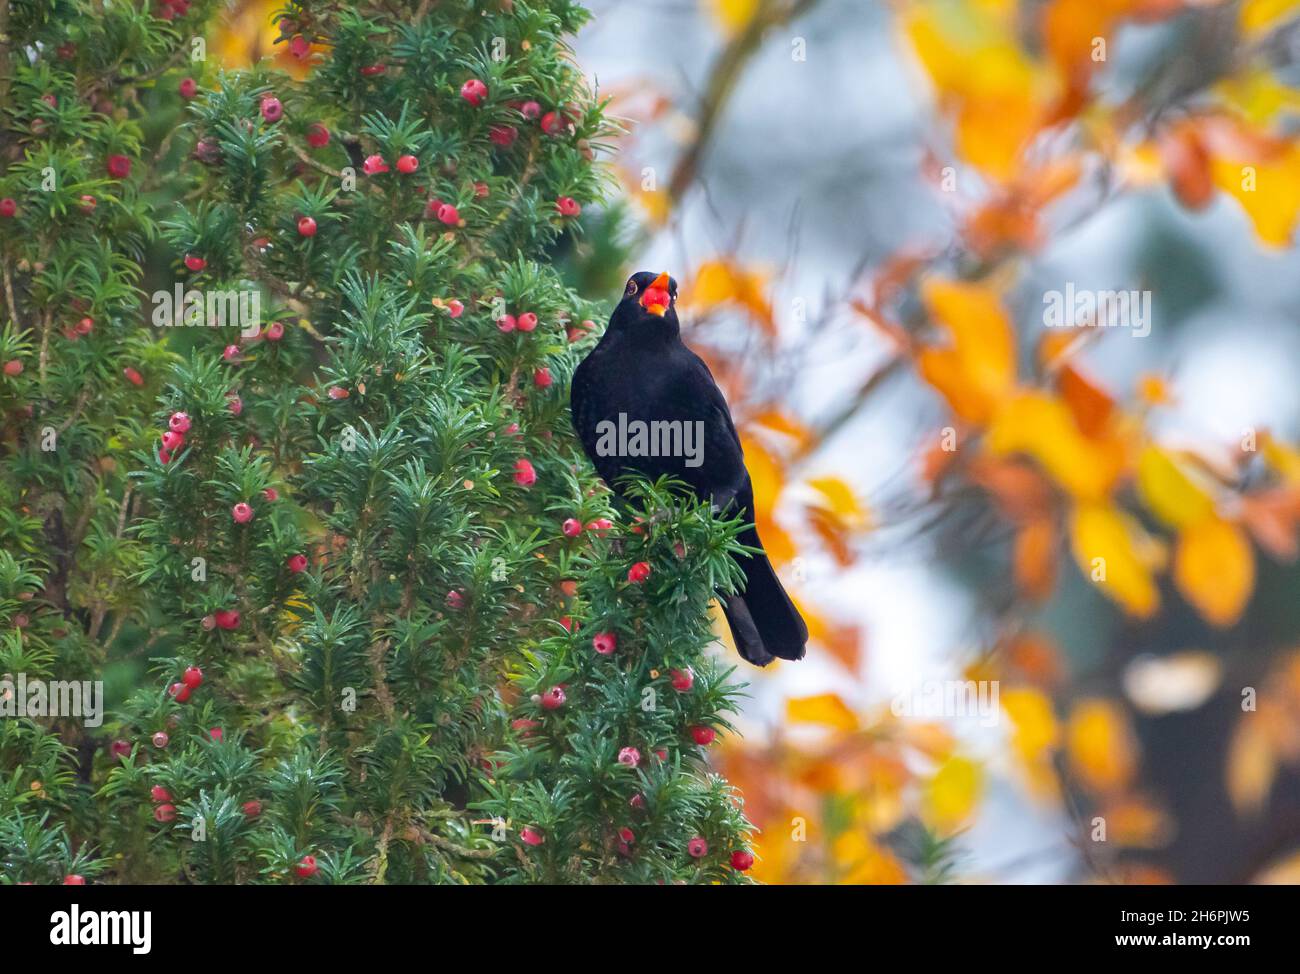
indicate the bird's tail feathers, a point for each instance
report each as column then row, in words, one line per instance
column 764, row 621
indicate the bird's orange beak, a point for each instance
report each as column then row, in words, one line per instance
column 656, row 298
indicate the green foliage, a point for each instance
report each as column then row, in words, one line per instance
column 374, row 635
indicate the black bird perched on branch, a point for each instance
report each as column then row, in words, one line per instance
column 641, row 377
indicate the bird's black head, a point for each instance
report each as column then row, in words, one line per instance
column 649, row 304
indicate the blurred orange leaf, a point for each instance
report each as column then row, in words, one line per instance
column 1168, row 490
column 1034, row 558
column 826, row 709
column 1042, row 427
column 1251, row 765
column 1102, row 749
column 1214, row 569
column 722, row 282
column 951, row 795
column 980, row 365
column 1115, row 554
column 1036, row 735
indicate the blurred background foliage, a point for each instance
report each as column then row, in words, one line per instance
column 867, row 206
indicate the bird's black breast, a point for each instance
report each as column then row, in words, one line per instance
column 668, row 389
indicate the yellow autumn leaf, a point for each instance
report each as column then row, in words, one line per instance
column 951, row 795
column 1169, row 491
column 1214, row 569
column 1251, row 765
column 1282, row 458
column 841, row 501
column 1041, row 426
column 1101, row 746
column 1267, row 189
column 733, row 15
column 868, row 864
column 1257, row 16
column 768, row 481
column 722, row 282
column 995, row 93
column 1035, row 735
column 826, row 709
column 1112, row 551
column 982, row 334
column 1258, row 95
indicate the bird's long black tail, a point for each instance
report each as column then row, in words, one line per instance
column 764, row 622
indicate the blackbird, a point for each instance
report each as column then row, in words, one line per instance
column 642, row 401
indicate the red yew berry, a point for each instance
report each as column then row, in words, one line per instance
column 503, row 135
column 242, row 512
column 604, row 643
column 274, row 331
column 72, row 879
column 317, row 135
column 703, row 736
column 571, row 527
column 160, row 794
column 172, row 441
column 525, row 475
column 553, row 699
column 165, row 813
column 272, row 110
column 741, row 860
column 629, row 757
column 568, row 207
column 407, row 164
column 252, row 808
column 120, row 749
column 455, row 308
column 226, row 618
column 179, row 422
column 297, row 563
column 179, row 692
column 373, row 70
column 542, row 378
column 507, row 323
column 8, row 207
column 455, row 600
column 697, row 847
column 307, row 867
column 13, row 367
column 118, row 166
column 682, row 680
column 195, row 263
column 639, row 572
column 299, row 47
column 192, row 677
column 448, row 214
column 474, row 91
column 188, row 88
column 531, row 836
column 530, row 110
column 160, row 740
column 527, row 321
column 374, row 165
column 306, row 227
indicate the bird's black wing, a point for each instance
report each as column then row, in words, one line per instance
column 724, row 461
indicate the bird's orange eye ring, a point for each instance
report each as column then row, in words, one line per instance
column 631, row 288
